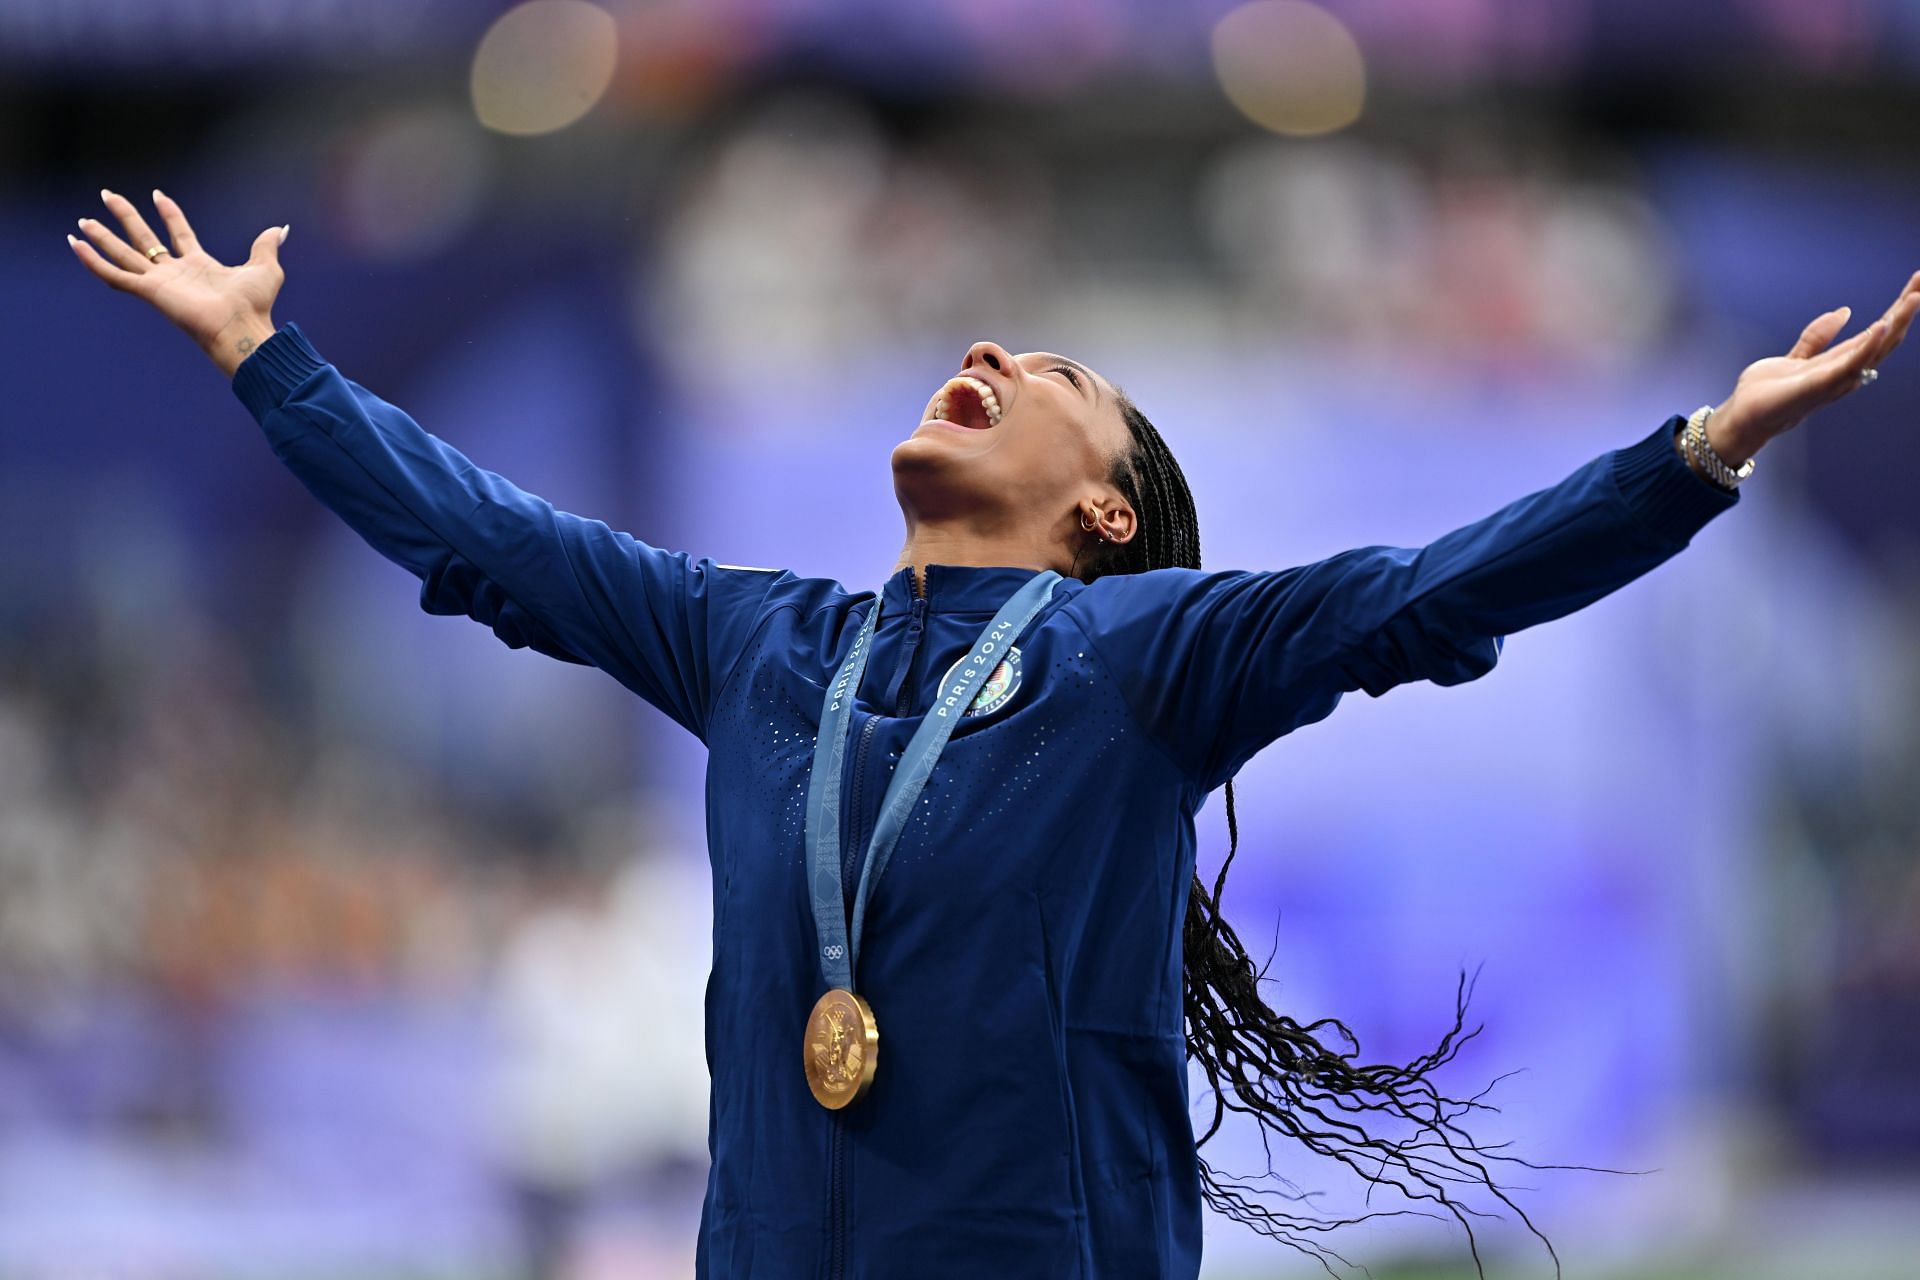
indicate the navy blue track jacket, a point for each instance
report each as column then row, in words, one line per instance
column 1022, row 953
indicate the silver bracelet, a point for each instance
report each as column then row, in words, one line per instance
column 1694, row 439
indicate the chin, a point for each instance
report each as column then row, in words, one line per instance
column 917, row 456
column 930, row 474
column 936, row 444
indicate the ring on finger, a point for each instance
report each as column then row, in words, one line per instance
column 155, row 252
column 1868, row 375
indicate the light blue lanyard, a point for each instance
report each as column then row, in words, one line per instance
column 839, row 953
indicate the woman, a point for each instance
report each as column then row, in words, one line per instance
column 980, row 1069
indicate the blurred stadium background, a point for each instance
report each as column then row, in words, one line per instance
column 341, row 941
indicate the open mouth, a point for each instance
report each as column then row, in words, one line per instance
column 966, row 402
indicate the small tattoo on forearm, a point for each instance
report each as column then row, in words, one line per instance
column 246, row 345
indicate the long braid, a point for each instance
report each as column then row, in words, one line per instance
column 1303, row 1081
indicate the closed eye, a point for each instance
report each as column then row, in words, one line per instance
column 1072, row 377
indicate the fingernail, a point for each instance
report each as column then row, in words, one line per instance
column 104, row 193
column 157, row 197
column 81, row 223
column 70, row 240
column 285, row 232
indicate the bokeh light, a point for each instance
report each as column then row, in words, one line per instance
column 1290, row 67
column 410, row 182
column 542, row 65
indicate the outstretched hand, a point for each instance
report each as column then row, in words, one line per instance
column 227, row 311
column 1775, row 395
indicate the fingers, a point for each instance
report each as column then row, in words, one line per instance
column 1855, row 351
column 266, row 246
column 116, row 250
column 1838, row 371
column 184, row 241
column 1912, row 288
column 1893, row 324
column 139, row 234
column 126, row 281
column 1899, row 317
column 1819, row 332
column 1823, row 329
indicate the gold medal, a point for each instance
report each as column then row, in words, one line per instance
column 841, row 1048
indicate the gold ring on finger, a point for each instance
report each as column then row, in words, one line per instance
column 155, row 251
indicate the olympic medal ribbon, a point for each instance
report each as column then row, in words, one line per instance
column 842, row 1041
column 930, row 739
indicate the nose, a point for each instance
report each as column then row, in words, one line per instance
column 990, row 354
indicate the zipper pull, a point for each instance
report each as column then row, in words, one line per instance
column 897, row 692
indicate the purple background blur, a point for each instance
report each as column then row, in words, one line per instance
column 339, row 940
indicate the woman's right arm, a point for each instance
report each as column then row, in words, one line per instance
column 663, row 625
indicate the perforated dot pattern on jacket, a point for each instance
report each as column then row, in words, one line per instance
column 1066, row 731
column 1059, row 734
column 765, row 725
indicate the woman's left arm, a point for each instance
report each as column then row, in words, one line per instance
column 1217, row 665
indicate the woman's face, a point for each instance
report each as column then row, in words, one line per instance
column 1013, row 439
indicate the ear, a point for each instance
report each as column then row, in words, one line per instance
column 1110, row 517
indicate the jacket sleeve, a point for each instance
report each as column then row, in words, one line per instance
column 1217, row 665
column 665, row 626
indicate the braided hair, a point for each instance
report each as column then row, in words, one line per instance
column 1305, row 1082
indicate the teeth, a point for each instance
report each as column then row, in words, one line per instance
column 988, row 401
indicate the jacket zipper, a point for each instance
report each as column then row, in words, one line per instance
column 837, row 1142
column 837, row 1209
column 850, row 864
column 850, row 855
column 898, row 692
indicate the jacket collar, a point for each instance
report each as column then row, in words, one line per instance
column 955, row 588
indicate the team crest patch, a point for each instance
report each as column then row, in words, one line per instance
column 999, row 687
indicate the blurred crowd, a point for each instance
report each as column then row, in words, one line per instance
column 182, row 845
column 174, row 820
column 809, row 229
